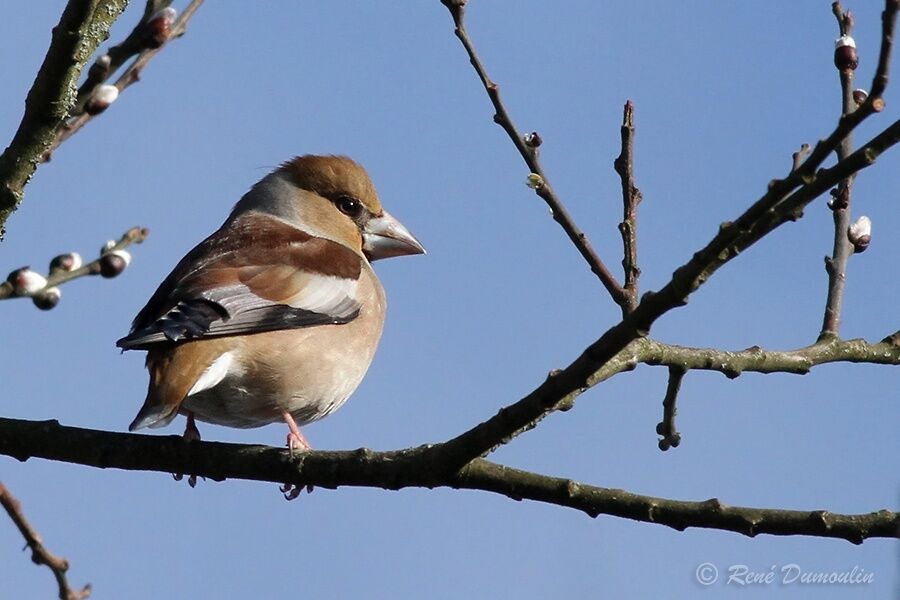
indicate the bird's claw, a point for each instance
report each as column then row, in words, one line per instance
column 292, row 492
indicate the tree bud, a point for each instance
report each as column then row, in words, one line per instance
column 860, row 233
column 845, row 57
column 102, row 96
column 66, row 262
column 859, row 96
column 534, row 181
column 158, row 27
column 100, row 69
column 47, row 299
column 26, row 282
column 532, row 140
column 114, row 262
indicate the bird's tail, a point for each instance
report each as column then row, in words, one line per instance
column 173, row 372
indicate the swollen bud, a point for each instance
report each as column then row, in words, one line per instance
column 859, row 96
column 47, row 299
column 113, row 263
column 534, row 181
column 100, row 69
column 101, row 98
column 860, row 234
column 158, row 27
column 845, row 57
column 532, row 140
column 26, row 282
column 66, row 262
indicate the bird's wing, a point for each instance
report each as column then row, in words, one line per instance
column 255, row 274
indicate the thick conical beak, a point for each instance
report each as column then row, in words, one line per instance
column 385, row 236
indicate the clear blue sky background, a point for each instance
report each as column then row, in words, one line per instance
column 725, row 92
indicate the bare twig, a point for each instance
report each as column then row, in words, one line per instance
column 82, row 27
column 631, row 197
column 415, row 467
column 836, row 264
column 538, row 179
column 666, row 428
column 39, row 554
column 562, row 387
column 799, row 156
column 118, row 55
column 757, row 360
column 61, row 273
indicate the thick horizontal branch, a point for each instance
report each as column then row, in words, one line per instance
column 677, row 514
column 414, row 467
column 84, row 25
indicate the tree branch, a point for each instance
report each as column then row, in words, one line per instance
column 666, row 428
column 414, row 467
column 836, row 264
column 134, row 44
column 562, row 387
column 39, row 554
column 538, row 179
column 66, row 267
column 83, row 26
column 783, row 201
column 756, row 360
column 631, row 197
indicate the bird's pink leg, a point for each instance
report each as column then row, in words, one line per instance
column 190, row 429
column 295, row 440
column 190, row 434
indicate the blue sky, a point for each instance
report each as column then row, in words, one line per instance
column 724, row 93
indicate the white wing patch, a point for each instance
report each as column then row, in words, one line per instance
column 327, row 294
column 213, row 374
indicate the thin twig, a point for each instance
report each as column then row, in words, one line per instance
column 118, row 55
column 631, row 197
column 666, row 428
column 562, row 387
column 836, row 264
column 56, row 277
column 39, row 554
column 799, row 156
column 81, row 29
column 538, row 180
column 415, row 467
column 732, row 364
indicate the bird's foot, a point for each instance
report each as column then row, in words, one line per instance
column 295, row 439
column 190, row 434
column 292, row 492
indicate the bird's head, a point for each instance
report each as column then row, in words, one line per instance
column 334, row 198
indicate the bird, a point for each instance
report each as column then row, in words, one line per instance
column 276, row 316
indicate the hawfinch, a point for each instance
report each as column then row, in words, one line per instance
column 275, row 316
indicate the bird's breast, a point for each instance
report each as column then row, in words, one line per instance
column 308, row 372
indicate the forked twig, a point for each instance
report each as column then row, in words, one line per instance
column 39, row 553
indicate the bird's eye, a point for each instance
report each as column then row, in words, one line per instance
column 349, row 206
